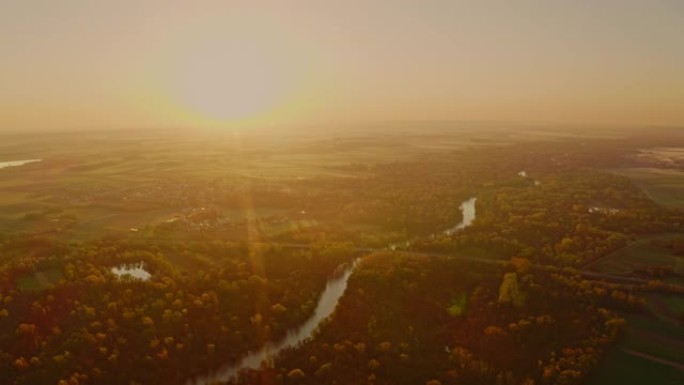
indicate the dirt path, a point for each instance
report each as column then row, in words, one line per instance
column 676, row 365
column 675, row 343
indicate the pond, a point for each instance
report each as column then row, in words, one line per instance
column 17, row 163
column 135, row 271
column 468, row 210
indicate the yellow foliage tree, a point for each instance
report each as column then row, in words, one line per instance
column 509, row 292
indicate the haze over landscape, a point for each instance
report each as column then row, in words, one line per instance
column 238, row 63
column 342, row 192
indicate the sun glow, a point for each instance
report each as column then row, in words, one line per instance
column 231, row 80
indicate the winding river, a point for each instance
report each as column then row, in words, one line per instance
column 468, row 210
column 334, row 290
column 468, row 213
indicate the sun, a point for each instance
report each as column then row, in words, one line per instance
column 231, row 80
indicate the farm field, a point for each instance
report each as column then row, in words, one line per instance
column 653, row 344
column 663, row 185
column 640, row 253
column 648, row 353
column 620, row 367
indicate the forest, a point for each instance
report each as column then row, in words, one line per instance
column 525, row 294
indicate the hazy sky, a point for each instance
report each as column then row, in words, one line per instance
column 156, row 63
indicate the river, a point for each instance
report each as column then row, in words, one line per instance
column 468, row 210
column 334, row 290
column 468, row 216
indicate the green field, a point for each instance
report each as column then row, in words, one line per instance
column 621, row 368
column 40, row 279
column 675, row 303
column 664, row 186
column 653, row 335
column 639, row 253
column 657, row 333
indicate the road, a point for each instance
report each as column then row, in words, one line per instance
column 590, row 275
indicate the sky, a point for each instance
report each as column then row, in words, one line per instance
column 164, row 63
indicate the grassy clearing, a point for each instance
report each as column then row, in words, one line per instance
column 39, row 280
column 458, row 305
column 271, row 230
column 675, row 303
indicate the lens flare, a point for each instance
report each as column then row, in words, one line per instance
column 231, row 80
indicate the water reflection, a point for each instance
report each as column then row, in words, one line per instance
column 135, row 271
column 326, row 305
column 468, row 210
column 16, row 163
column 334, row 290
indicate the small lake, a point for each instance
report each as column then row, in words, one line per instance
column 17, row 163
column 468, row 210
column 135, row 271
